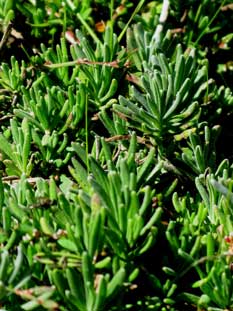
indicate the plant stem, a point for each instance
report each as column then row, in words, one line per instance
column 86, row 130
column 137, row 9
column 89, row 30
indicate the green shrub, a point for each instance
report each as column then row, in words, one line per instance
column 115, row 155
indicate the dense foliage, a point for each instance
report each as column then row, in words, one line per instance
column 116, row 155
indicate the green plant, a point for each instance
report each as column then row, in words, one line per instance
column 10, row 270
column 160, row 110
column 16, row 156
column 115, row 155
column 6, row 12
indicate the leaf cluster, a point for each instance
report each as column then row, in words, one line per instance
column 115, row 172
